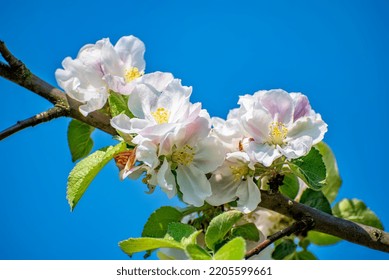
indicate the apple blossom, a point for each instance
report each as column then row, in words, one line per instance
column 279, row 124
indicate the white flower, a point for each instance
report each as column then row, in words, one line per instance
column 158, row 112
column 235, row 179
column 279, row 124
column 102, row 67
column 188, row 154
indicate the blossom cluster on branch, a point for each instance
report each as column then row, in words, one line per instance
column 175, row 144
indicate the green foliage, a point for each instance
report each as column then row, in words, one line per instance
column 233, row 250
column 290, row 186
column 219, row 226
column 248, row 231
column 322, row 239
column 79, row 140
column 317, row 200
column 135, row 245
column 285, row 248
column 178, row 231
column 86, row 170
column 356, row 210
column 159, row 220
column 301, row 255
column 118, row 104
column 310, row 169
column 195, row 252
column 333, row 180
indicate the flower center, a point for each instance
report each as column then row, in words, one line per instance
column 239, row 172
column 161, row 115
column 184, row 155
column 277, row 133
column 132, row 74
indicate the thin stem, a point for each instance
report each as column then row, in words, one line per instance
column 48, row 115
column 299, row 226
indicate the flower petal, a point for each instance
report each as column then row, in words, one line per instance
column 131, row 51
column 249, row 196
column 262, row 153
column 166, row 180
column 193, row 185
column 223, row 189
column 209, row 155
column 280, row 105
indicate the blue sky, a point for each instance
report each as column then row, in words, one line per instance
column 335, row 52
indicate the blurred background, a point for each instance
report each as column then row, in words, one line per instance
column 335, row 52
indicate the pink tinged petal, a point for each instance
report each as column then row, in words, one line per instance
column 302, row 107
column 152, row 131
column 223, row 189
column 249, row 196
column 166, row 180
column 122, row 123
column 118, row 84
column 280, row 105
column 209, row 155
column 142, row 99
column 111, row 62
column 256, row 124
column 297, row 147
column 313, row 127
column 262, row 153
column 131, row 52
column 158, row 80
column 193, row 184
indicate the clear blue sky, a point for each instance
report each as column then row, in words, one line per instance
column 335, row 52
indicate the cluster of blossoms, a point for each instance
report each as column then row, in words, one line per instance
column 175, row 144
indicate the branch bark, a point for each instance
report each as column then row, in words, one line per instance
column 17, row 72
column 356, row 233
column 299, row 226
column 46, row 116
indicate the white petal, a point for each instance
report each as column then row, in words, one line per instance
column 94, row 103
column 256, row 124
column 223, row 189
column 249, row 196
column 158, row 80
column 193, row 185
column 122, row 123
column 308, row 126
column 209, row 155
column 141, row 100
column 166, row 180
column 111, row 62
column 131, row 51
column 297, row 147
column 262, row 153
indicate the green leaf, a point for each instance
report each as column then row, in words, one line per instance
column 233, row 250
column 191, row 239
column 86, row 170
column 159, row 220
column 317, row 200
column 322, row 239
column 79, row 140
column 333, row 180
column 283, row 249
column 135, row 245
column 306, row 255
column 355, row 210
column 219, row 226
column 310, row 169
column 290, row 186
column 178, row 231
column 195, row 252
column 118, row 104
column 247, row 231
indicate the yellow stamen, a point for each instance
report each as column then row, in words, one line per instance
column 161, row 115
column 239, row 172
column 184, row 155
column 278, row 132
column 132, row 74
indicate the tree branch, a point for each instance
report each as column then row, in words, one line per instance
column 356, row 233
column 299, row 226
column 48, row 115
